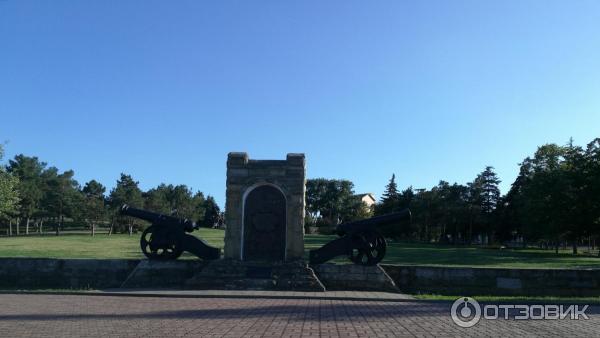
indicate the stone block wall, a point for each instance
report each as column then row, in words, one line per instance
column 354, row 277
column 243, row 175
column 495, row 281
column 41, row 273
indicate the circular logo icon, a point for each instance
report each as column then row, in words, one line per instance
column 465, row 312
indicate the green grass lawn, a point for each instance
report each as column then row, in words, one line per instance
column 124, row 246
column 86, row 246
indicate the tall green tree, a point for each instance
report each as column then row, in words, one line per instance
column 175, row 200
column 180, row 199
column 212, row 212
column 126, row 191
column 28, row 170
column 490, row 192
column 543, row 199
column 390, row 198
column 155, row 200
column 316, row 190
column 94, row 210
column 199, row 204
column 331, row 202
column 62, row 196
column 484, row 196
column 591, row 190
column 9, row 194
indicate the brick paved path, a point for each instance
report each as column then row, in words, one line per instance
column 107, row 316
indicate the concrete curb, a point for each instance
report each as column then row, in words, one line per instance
column 142, row 294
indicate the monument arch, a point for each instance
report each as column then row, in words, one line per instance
column 264, row 219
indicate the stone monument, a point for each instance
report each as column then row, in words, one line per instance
column 265, row 202
column 264, row 234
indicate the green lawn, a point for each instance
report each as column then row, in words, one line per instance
column 124, row 246
column 86, row 246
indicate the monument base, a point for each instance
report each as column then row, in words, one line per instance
column 355, row 277
column 237, row 275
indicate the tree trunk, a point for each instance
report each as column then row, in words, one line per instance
column 93, row 229
column 556, row 244
column 18, row 221
column 470, row 230
column 27, row 226
column 575, row 242
column 112, row 224
column 589, row 243
column 10, row 227
column 41, row 226
column 58, row 225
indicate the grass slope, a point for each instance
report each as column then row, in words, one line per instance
column 124, row 246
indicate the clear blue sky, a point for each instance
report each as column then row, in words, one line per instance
column 428, row 90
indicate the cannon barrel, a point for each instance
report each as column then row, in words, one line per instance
column 166, row 238
column 359, row 240
column 370, row 223
column 156, row 218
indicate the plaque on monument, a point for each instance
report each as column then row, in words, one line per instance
column 264, row 224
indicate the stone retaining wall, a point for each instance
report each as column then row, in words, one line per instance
column 42, row 273
column 495, row 281
column 354, row 277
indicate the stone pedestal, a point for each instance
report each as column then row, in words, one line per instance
column 265, row 201
column 354, row 277
column 237, row 275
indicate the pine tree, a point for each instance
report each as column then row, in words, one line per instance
column 127, row 192
column 391, row 191
column 490, row 193
column 484, row 196
column 212, row 212
column 390, row 199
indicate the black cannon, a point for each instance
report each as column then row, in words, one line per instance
column 359, row 240
column 166, row 238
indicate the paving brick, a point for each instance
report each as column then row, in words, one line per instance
column 113, row 316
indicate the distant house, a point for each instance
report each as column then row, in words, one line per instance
column 368, row 199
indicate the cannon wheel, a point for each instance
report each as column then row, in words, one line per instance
column 368, row 248
column 157, row 244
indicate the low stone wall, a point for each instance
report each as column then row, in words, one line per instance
column 41, row 273
column 162, row 274
column 495, row 281
column 354, row 277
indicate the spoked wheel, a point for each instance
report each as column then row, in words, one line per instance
column 368, row 248
column 160, row 244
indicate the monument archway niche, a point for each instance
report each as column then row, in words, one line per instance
column 264, row 224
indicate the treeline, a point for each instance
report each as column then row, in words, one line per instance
column 34, row 197
column 330, row 202
column 554, row 200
